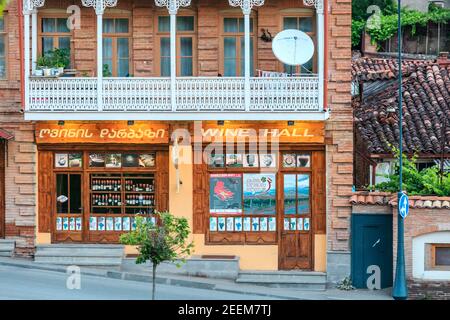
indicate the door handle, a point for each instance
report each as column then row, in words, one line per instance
column 376, row 243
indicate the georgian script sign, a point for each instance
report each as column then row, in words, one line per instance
column 299, row 132
column 141, row 132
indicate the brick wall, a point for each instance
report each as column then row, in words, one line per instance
column 429, row 290
column 339, row 133
column 21, row 151
column 419, row 221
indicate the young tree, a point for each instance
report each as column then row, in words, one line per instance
column 167, row 240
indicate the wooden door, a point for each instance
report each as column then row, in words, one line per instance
column 2, row 188
column 68, row 211
column 296, row 209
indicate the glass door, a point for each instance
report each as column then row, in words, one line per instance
column 296, row 213
column 68, row 207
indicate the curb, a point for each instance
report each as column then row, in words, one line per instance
column 127, row 276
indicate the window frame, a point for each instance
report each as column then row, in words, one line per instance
column 115, row 36
column 4, row 33
column 240, row 54
column 434, row 266
column 298, row 14
column 158, row 35
column 54, row 35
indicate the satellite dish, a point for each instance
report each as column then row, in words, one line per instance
column 293, row 47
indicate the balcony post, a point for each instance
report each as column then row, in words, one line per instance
column 319, row 5
column 29, row 8
column 246, row 6
column 99, row 6
column 173, row 6
column 34, row 39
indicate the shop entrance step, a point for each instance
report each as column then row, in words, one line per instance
column 305, row 280
column 7, row 247
column 99, row 255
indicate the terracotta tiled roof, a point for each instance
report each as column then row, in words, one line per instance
column 372, row 69
column 371, row 198
column 426, row 101
column 386, row 198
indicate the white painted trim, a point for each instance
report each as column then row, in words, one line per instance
column 418, row 256
column 321, row 57
column 99, row 61
column 34, row 39
column 26, row 48
column 173, row 59
column 175, row 116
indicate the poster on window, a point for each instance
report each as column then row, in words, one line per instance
column 259, row 194
column 225, row 193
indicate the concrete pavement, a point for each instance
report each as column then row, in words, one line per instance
column 24, row 283
column 169, row 284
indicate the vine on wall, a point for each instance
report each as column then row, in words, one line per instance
column 388, row 25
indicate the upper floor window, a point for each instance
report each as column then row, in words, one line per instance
column 233, row 41
column 2, row 49
column 307, row 25
column 116, row 47
column 186, row 41
column 54, row 33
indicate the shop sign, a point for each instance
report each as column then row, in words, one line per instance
column 102, row 132
column 298, row 132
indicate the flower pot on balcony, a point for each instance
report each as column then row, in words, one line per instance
column 39, row 72
column 47, row 72
column 60, row 70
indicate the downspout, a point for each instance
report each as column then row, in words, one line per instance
column 22, row 67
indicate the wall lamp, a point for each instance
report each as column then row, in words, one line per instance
column 61, row 122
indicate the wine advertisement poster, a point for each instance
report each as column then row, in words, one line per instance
column 225, row 194
column 259, row 194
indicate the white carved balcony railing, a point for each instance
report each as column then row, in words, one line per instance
column 63, row 94
column 197, row 95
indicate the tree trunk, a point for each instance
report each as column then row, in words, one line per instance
column 154, row 281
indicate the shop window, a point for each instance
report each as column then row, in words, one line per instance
column 54, row 33
column 233, row 41
column 2, row 49
column 243, row 201
column 116, row 47
column 307, row 25
column 186, row 40
column 118, row 187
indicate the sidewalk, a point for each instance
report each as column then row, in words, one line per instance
column 140, row 274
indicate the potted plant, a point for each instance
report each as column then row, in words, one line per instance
column 43, row 63
column 60, row 59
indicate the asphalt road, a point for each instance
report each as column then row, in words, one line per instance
column 21, row 283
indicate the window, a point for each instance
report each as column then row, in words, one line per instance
column 233, row 41
column 54, row 33
column 241, row 198
column 116, row 47
column 441, row 255
column 185, row 45
column 2, row 49
column 307, row 25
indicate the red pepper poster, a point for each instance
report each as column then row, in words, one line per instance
column 225, row 193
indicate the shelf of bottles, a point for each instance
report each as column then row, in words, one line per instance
column 116, row 199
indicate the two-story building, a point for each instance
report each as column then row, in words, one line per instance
column 181, row 105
